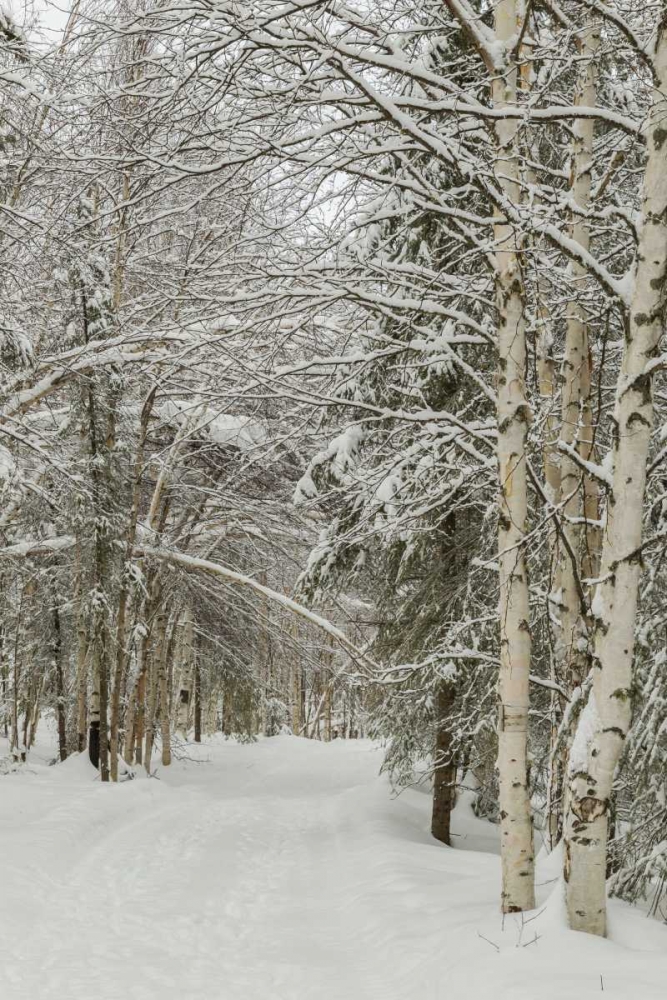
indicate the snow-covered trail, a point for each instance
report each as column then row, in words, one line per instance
column 281, row 870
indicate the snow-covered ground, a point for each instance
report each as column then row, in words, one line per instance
column 282, row 870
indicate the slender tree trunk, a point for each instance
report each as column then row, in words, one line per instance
column 124, row 596
column 575, row 554
column 15, row 744
column 546, row 373
column 328, row 696
column 444, row 776
column 104, row 703
column 27, row 712
column 81, row 682
column 60, row 680
column 186, row 657
column 98, row 740
column 212, row 714
column 263, row 661
column 227, row 715
column 165, row 720
column 119, row 670
column 35, row 714
column 605, row 721
column 140, row 706
column 295, row 680
column 151, row 707
column 4, row 679
column 572, row 649
column 127, row 748
column 155, row 688
column 197, row 699
column 516, row 833
column 94, row 715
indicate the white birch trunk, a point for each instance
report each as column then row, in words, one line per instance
column 575, row 555
column 605, row 722
column 572, row 652
column 518, row 891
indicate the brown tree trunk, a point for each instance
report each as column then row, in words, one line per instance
column 81, row 684
column 165, row 721
column 94, row 721
column 60, row 684
column 197, row 700
column 444, row 776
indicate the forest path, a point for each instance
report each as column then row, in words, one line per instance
column 281, row 870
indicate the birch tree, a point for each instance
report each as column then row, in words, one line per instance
column 604, row 727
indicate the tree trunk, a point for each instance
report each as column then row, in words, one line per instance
column 124, row 596
column 165, row 721
column 605, row 721
column 140, row 706
column 328, row 696
column 513, row 419
column 119, row 670
column 60, row 681
column 94, row 723
column 16, row 739
column 81, row 683
column 185, row 656
column 35, row 715
column 104, row 704
column 227, row 712
column 576, row 553
column 296, row 694
column 577, row 490
column 197, row 699
column 151, row 708
column 263, row 660
column 444, row 776
column 4, row 682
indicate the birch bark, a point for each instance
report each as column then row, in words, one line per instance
column 576, row 553
column 513, row 420
column 577, row 490
column 605, row 722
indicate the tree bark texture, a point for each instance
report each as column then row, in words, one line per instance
column 444, row 777
column 605, row 721
column 513, row 420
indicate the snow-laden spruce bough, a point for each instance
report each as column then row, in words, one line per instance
column 332, row 401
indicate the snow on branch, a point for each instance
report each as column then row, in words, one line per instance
column 597, row 471
column 195, row 564
column 43, row 547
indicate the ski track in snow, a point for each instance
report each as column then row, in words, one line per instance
column 282, row 870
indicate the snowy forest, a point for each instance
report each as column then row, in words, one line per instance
column 333, row 464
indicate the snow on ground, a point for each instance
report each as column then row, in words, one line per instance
column 281, row 870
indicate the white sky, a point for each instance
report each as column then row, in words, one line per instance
column 50, row 16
